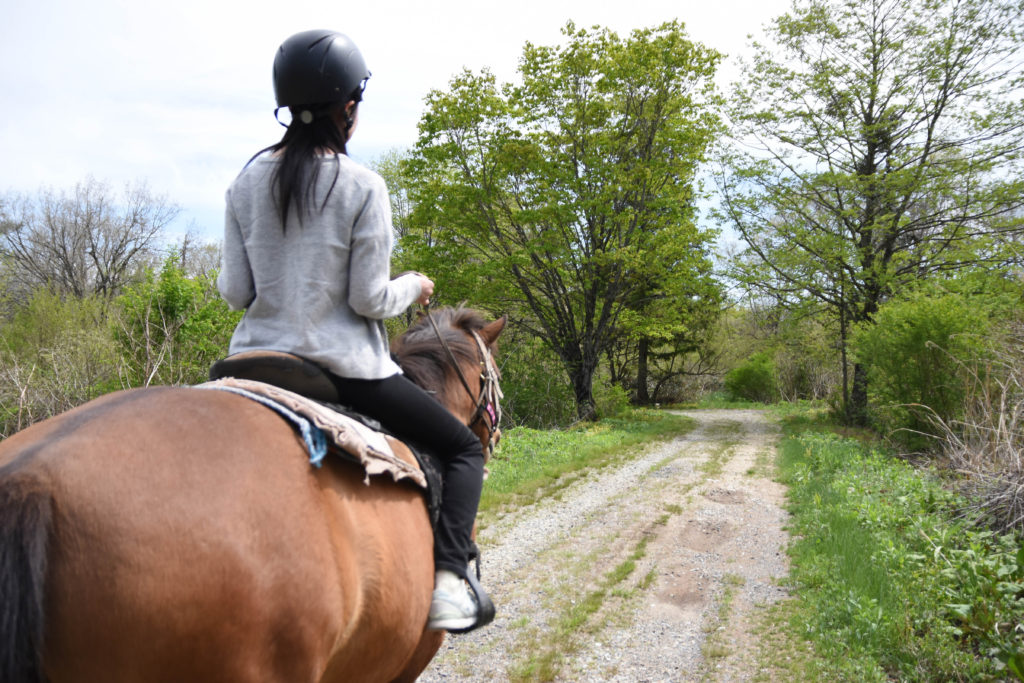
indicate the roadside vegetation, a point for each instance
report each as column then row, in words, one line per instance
column 531, row 463
column 59, row 351
column 891, row 576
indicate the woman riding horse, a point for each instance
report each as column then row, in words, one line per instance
column 171, row 534
column 307, row 249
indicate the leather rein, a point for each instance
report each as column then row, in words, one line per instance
column 488, row 402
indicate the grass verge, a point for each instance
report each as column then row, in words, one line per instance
column 533, row 463
column 714, row 646
column 722, row 400
column 888, row 582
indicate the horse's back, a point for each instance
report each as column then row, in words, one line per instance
column 192, row 541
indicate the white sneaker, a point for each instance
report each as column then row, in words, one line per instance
column 452, row 608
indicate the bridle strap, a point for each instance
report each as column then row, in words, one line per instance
column 490, row 391
column 451, row 356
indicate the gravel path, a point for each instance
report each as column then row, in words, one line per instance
column 650, row 571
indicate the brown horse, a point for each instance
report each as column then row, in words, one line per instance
column 176, row 534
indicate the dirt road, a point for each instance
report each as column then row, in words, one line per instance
column 651, row 571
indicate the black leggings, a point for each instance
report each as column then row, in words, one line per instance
column 409, row 412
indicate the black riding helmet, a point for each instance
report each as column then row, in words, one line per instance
column 317, row 67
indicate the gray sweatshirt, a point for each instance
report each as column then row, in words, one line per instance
column 322, row 289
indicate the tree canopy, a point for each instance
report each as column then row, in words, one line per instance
column 81, row 242
column 877, row 142
column 570, row 196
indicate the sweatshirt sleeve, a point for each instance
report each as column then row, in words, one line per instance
column 235, row 281
column 372, row 292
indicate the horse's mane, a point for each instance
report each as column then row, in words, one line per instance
column 421, row 355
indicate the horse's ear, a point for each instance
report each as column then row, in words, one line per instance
column 490, row 332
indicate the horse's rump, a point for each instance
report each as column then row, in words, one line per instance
column 191, row 540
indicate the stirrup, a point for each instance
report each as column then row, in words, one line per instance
column 484, row 606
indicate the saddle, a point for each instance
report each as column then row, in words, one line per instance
column 297, row 375
column 283, row 370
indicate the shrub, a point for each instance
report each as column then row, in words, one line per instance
column 171, row 328
column 912, row 351
column 537, row 392
column 754, row 379
column 987, row 442
column 55, row 355
column 807, row 368
column 611, row 400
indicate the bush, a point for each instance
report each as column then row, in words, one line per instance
column 55, row 355
column 987, row 443
column 610, row 400
column 807, row 365
column 754, row 379
column 171, row 328
column 912, row 351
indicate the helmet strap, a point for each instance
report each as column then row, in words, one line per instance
column 278, row 119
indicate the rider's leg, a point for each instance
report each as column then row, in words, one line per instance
column 410, row 413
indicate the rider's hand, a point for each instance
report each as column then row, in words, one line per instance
column 426, row 290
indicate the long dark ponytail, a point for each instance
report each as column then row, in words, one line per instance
column 313, row 131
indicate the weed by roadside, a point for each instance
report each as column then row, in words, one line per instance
column 888, row 583
column 531, row 463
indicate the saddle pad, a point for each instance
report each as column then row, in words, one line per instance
column 369, row 447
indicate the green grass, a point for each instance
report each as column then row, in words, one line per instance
column 714, row 646
column 889, row 582
column 721, row 400
column 531, row 463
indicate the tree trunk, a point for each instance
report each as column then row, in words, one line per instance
column 843, row 356
column 642, row 396
column 857, row 411
column 583, row 388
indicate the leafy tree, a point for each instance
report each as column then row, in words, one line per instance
column 533, row 380
column 81, row 242
column 668, row 320
column 557, row 196
column 390, row 166
column 878, row 143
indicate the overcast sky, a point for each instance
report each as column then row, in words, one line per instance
column 178, row 93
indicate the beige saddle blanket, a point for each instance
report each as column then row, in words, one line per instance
column 371, row 448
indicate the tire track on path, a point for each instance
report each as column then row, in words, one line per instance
column 649, row 571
